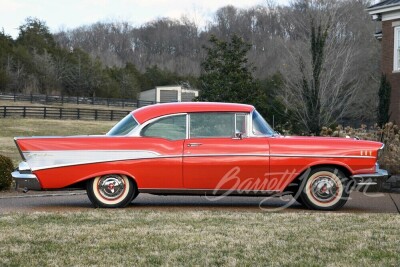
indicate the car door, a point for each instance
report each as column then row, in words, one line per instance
column 219, row 155
column 165, row 137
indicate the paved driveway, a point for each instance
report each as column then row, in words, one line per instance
column 76, row 201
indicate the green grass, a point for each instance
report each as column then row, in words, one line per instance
column 12, row 127
column 203, row 238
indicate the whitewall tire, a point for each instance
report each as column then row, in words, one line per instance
column 111, row 191
column 325, row 189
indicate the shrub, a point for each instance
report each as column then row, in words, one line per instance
column 389, row 135
column 6, row 167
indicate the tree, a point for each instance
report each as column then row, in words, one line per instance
column 35, row 35
column 320, row 78
column 225, row 73
column 384, row 101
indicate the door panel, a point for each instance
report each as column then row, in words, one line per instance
column 226, row 163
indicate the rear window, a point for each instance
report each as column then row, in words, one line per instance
column 124, row 126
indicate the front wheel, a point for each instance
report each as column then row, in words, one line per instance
column 111, row 191
column 325, row 189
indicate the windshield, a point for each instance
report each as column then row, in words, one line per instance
column 260, row 126
column 124, row 126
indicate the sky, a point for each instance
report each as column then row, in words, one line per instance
column 69, row 14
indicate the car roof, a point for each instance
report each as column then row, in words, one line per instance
column 153, row 111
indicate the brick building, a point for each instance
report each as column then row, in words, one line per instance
column 389, row 13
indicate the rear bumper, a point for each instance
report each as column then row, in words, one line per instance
column 371, row 182
column 26, row 180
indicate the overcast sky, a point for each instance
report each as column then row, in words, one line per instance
column 69, row 14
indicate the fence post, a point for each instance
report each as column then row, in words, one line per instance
column 77, row 100
column 137, row 103
column 62, row 100
column 60, row 113
column 95, row 114
column 5, row 112
column 112, row 115
column 31, row 98
column 24, row 113
column 123, row 103
column 44, row 112
column 14, row 96
column 78, row 115
column 46, row 99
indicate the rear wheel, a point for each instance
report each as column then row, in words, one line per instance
column 111, row 191
column 325, row 189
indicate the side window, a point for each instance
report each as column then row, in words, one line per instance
column 212, row 125
column 241, row 125
column 173, row 128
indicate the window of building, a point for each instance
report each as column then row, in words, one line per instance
column 396, row 59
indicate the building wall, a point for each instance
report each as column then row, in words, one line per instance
column 148, row 95
column 387, row 67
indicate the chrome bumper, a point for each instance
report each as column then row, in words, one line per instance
column 370, row 181
column 26, row 180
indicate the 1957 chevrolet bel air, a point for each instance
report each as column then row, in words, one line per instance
column 198, row 149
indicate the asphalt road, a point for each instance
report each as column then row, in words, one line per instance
column 78, row 201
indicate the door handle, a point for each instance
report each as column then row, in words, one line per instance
column 194, row 144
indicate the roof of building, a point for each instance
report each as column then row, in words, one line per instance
column 385, row 3
column 153, row 111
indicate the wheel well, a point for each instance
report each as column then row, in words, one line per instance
column 82, row 184
column 297, row 180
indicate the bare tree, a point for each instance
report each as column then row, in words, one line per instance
column 320, row 85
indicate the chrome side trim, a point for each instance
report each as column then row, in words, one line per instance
column 370, row 183
column 209, row 192
column 19, row 149
column 225, row 155
column 320, row 156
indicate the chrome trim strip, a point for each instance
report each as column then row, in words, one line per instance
column 18, row 175
column 225, row 155
column 19, row 149
column 370, row 183
column 211, row 191
column 319, row 156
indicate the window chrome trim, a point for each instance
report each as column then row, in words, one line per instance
column 137, row 131
column 128, row 134
column 251, row 134
column 235, row 113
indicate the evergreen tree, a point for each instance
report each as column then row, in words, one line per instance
column 384, row 101
column 226, row 76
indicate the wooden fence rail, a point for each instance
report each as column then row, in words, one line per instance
column 62, row 113
column 51, row 99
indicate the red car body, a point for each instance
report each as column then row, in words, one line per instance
column 194, row 148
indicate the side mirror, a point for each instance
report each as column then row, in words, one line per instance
column 238, row 135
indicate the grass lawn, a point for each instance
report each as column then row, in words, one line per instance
column 12, row 127
column 201, row 238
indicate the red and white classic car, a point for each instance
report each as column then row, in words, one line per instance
column 198, row 149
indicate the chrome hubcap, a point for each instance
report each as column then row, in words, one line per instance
column 324, row 189
column 111, row 186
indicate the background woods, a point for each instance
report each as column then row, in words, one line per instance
column 117, row 59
